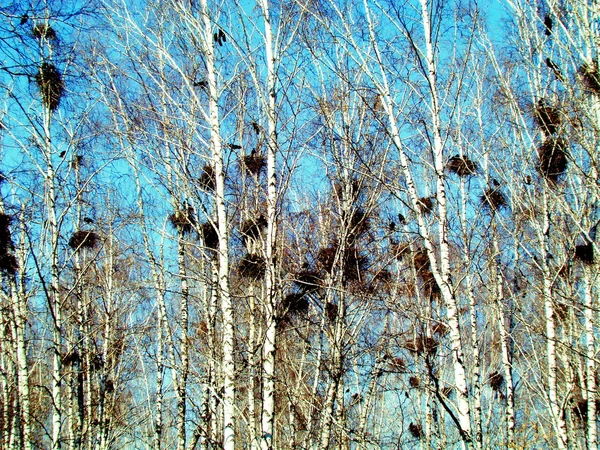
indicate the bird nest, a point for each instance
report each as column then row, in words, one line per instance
column 461, row 166
column 209, row 236
column 422, row 344
column 354, row 262
column 253, row 228
column 183, row 220
column 50, row 83
column 590, row 77
column 308, row 281
column 546, row 117
column 416, row 430
column 425, row 205
column 254, row 163
column 252, row 266
column 399, row 251
column 414, row 382
column 208, row 179
column 295, row 303
column 493, row 199
column 43, row 31
column 553, row 158
column 585, row 253
column 83, row 239
column 495, row 380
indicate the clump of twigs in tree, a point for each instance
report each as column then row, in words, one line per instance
column 295, row 303
column 546, row 117
column 580, row 410
column 425, row 205
column 184, row 219
column 252, row 266
column 398, row 364
column 353, row 190
column 209, row 236
column 50, row 83
column 496, row 380
column 585, row 253
column 462, row 166
column 83, row 239
column 254, row 162
column 493, row 199
column 423, row 269
column 253, row 228
column 422, row 344
column 8, row 261
column 590, row 77
column 353, row 261
column 553, row 158
column 208, row 179
column 43, row 31
column 358, row 224
column 416, row 430
column 400, row 250
column 331, row 311
column 440, row 329
column 307, row 281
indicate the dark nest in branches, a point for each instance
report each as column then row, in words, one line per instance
column 209, row 236
column 295, row 303
column 354, row 190
column 590, row 77
column 546, row 117
column 585, row 253
column 6, row 243
column 43, row 31
column 580, row 410
column 208, row 179
column 358, row 224
column 461, row 166
column 440, row 329
column 252, row 266
column 398, row 364
column 496, row 380
column 400, row 250
column 423, row 269
column 553, row 158
column 331, row 311
column 493, row 199
column 83, row 239
column 416, row 430
column 422, row 263
column 307, row 281
column 425, row 205
column 422, row 344
column 253, row 228
column 8, row 262
column 51, row 85
column 254, row 163
column 184, row 220
column 353, row 261
column 414, row 382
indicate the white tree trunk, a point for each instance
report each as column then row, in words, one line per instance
column 269, row 346
column 228, row 400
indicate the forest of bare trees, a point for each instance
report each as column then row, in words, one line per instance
column 299, row 224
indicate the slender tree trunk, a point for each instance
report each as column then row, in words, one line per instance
column 228, row 400
column 592, row 427
column 184, row 368
column 269, row 346
column 558, row 419
column 504, row 342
